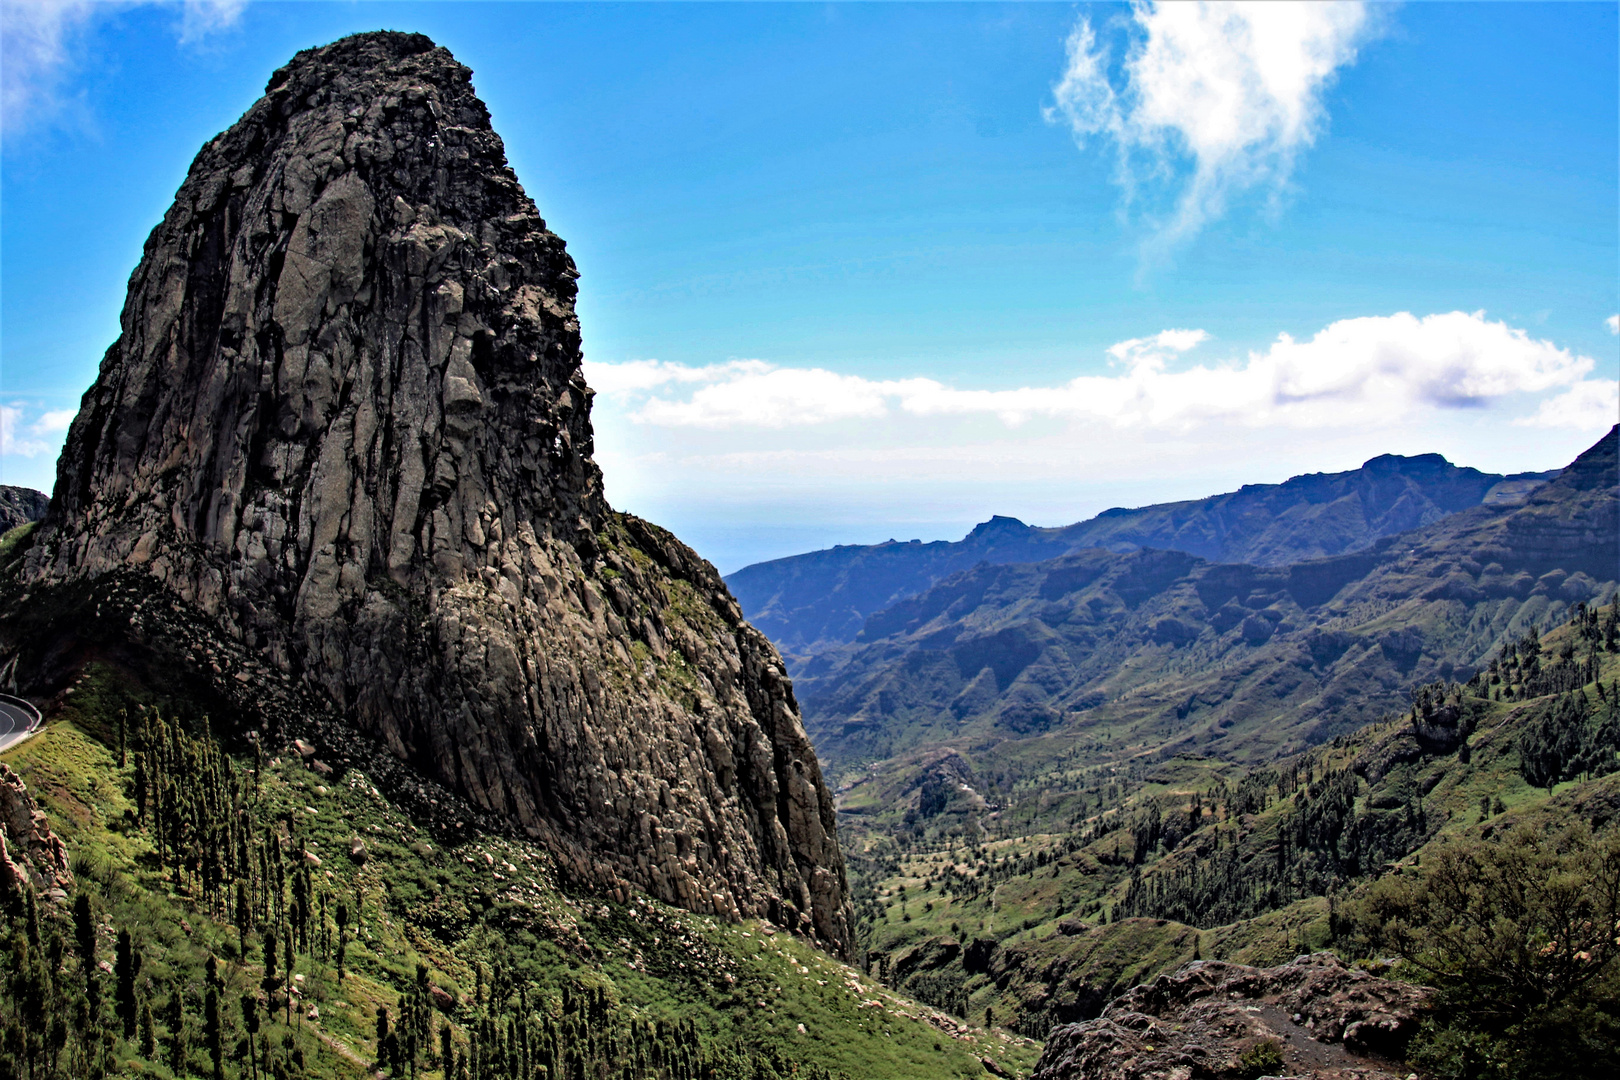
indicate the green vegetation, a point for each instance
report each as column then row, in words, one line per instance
column 1262, row 1059
column 249, row 915
column 1519, row 937
column 1038, row 897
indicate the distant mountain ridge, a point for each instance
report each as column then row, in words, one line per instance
column 1238, row 661
column 806, row 603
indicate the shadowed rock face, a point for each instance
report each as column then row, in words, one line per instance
column 345, row 418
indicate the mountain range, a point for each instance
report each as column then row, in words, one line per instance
column 809, row 602
column 1169, row 651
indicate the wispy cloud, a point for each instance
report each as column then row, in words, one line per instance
column 1210, row 99
column 201, row 18
column 1589, row 405
column 1613, row 323
column 40, row 43
column 1374, row 371
column 29, row 438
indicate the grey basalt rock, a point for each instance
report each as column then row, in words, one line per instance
column 31, row 855
column 1326, row 1020
column 346, row 419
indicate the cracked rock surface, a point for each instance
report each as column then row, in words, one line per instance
column 345, row 420
column 1329, row 1021
column 31, row 855
column 19, row 506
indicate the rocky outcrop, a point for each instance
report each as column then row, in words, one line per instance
column 20, row 505
column 30, row 853
column 1312, row 1018
column 346, row 421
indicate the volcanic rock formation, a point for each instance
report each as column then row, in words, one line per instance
column 1319, row 1019
column 345, row 419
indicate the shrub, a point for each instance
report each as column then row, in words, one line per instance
column 1518, row 938
column 1262, row 1059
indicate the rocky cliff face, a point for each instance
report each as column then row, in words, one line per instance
column 31, row 855
column 20, row 505
column 345, row 420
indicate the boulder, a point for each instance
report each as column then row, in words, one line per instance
column 1328, row 1020
column 30, row 853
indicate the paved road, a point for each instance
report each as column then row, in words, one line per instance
column 16, row 724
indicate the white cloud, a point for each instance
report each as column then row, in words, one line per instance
column 1154, row 351
column 201, row 18
column 39, row 40
column 42, row 435
column 1212, row 98
column 1588, row 405
column 10, row 441
column 1376, row 371
column 647, row 374
column 1613, row 323
column 55, row 422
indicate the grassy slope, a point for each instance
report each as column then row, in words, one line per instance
column 456, row 907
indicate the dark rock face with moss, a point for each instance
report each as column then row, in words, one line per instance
column 345, row 419
column 20, row 505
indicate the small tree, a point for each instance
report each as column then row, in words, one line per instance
column 214, row 1031
column 342, row 942
column 126, row 967
column 250, row 1022
column 148, row 1032
column 178, row 1047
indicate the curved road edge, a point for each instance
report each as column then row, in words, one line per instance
column 18, row 720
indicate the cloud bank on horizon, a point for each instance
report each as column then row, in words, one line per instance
column 1375, row 371
column 1209, row 101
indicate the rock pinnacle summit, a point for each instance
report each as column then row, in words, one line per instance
column 345, row 421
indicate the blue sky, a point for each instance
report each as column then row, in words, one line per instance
column 860, row 271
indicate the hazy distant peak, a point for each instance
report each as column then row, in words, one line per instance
column 1403, row 462
column 998, row 525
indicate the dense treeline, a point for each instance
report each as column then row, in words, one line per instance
column 1320, row 843
column 1517, row 936
column 1519, row 671
column 1571, row 737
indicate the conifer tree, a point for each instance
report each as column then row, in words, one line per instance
column 250, row 1022
column 213, row 1031
column 148, row 1032
column 126, row 968
column 342, row 942
column 84, row 932
column 176, row 1020
column 270, row 982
